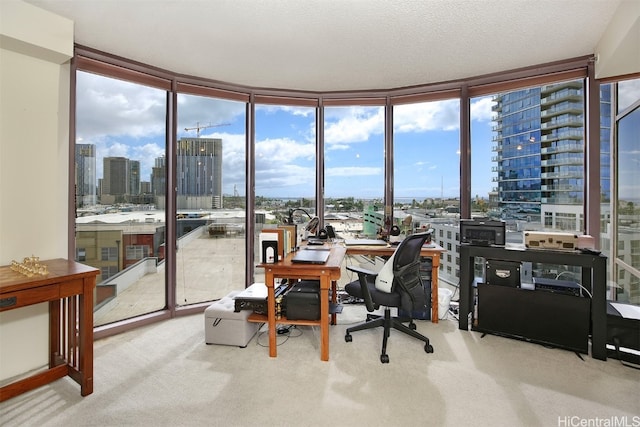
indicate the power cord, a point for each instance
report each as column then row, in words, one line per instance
column 283, row 333
column 284, row 329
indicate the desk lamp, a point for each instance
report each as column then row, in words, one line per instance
column 312, row 226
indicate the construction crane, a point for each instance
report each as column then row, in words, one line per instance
column 197, row 127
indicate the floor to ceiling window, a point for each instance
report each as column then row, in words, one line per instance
column 484, row 200
column 119, row 177
column 426, row 174
column 285, row 168
column 527, row 168
column 538, row 157
column 626, row 233
column 535, row 173
column 210, row 198
column 354, row 169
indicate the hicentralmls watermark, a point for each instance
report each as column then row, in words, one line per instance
column 614, row 421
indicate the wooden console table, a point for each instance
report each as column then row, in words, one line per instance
column 68, row 288
column 326, row 273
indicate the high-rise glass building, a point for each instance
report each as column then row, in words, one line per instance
column 199, row 167
column 85, row 157
column 539, row 145
column 159, row 177
column 134, row 177
column 538, row 165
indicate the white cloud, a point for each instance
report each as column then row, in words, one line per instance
column 481, row 109
column 274, row 176
column 427, row 116
column 352, row 124
column 113, row 107
column 283, row 151
column 196, row 111
column 128, row 120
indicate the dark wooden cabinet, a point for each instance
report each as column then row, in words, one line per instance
column 541, row 316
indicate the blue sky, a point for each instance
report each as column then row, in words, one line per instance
column 124, row 119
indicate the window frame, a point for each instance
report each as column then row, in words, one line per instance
column 91, row 60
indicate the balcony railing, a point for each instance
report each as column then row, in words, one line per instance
column 558, row 162
column 561, row 187
column 565, row 94
column 573, row 121
column 562, row 108
column 563, row 147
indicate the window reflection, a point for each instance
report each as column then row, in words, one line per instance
column 627, row 254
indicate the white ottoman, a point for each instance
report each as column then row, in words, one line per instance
column 224, row 326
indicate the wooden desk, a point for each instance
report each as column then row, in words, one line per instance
column 327, row 273
column 69, row 290
column 432, row 250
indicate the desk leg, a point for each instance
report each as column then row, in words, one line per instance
column 86, row 338
column 55, row 351
column 271, row 312
column 324, row 317
column 334, row 299
column 434, row 290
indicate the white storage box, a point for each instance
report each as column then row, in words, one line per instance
column 224, row 326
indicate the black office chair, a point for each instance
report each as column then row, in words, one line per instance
column 398, row 285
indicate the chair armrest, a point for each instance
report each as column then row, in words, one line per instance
column 361, row 270
column 363, row 273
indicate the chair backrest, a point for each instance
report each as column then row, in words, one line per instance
column 406, row 270
column 409, row 250
column 407, row 253
column 401, row 273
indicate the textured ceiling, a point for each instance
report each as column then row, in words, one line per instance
column 336, row 45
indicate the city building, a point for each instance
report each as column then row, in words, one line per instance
column 134, row 178
column 86, row 183
column 539, row 136
column 199, row 173
column 116, row 183
column 159, row 177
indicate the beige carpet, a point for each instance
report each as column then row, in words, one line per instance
column 164, row 375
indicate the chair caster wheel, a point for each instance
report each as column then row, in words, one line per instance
column 428, row 348
column 412, row 326
column 384, row 358
column 348, row 338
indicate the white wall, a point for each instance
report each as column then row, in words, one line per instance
column 35, row 47
column 618, row 50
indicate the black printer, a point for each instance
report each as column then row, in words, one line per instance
column 482, row 232
column 302, row 301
